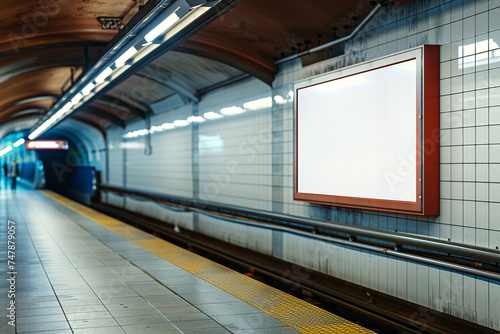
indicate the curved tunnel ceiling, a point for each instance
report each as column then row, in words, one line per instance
column 45, row 45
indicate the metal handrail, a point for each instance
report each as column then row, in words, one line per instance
column 285, row 220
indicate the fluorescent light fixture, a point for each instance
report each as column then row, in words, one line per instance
column 68, row 106
column 76, row 98
column 181, row 122
column 59, row 113
column 5, row 150
column 131, row 134
column 19, row 142
column 155, row 128
column 39, row 130
column 104, row 74
column 155, row 29
column 167, row 126
column 266, row 102
column 86, row 91
column 126, row 56
column 195, row 119
column 42, row 128
column 50, row 121
column 279, row 99
column 230, row 111
column 212, row 115
column 35, row 133
column 162, row 27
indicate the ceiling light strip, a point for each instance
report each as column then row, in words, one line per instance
column 115, row 58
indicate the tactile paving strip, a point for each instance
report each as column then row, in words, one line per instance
column 288, row 309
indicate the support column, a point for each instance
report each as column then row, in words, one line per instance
column 277, row 113
column 195, row 162
column 124, row 173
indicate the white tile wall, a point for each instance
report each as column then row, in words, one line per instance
column 235, row 154
column 168, row 169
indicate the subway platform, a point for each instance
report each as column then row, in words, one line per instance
column 71, row 269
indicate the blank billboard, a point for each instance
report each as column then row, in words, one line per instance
column 359, row 134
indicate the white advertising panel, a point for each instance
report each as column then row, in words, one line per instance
column 356, row 135
column 367, row 135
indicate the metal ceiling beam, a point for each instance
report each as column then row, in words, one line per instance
column 41, row 47
column 129, row 101
column 20, row 117
column 151, row 78
column 49, row 64
column 222, row 55
column 119, row 105
column 214, row 13
column 29, row 100
column 171, row 82
column 104, row 115
column 40, row 110
column 223, row 83
column 87, row 122
column 192, row 25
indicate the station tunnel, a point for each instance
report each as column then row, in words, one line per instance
column 250, row 166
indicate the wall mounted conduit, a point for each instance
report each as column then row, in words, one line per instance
column 353, row 34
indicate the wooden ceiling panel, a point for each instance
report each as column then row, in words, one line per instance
column 273, row 27
column 42, row 41
column 44, row 104
column 46, row 81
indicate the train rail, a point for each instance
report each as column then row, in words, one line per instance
column 374, row 310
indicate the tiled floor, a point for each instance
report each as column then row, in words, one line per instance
column 79, row 271
column 69, row 281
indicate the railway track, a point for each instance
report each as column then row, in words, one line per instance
column 379, row 312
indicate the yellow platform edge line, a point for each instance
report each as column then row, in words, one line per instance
column 292, row 311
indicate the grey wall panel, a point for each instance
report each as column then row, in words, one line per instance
column 241, row 235
column 113, row 199
column 179, row 218
column 116, row 162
